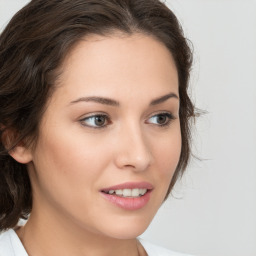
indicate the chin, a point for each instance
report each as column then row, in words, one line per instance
column 127, row 229
column 126, row 234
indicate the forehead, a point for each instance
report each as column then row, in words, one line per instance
column 119, row 62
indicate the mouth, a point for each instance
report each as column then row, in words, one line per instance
column 129, row 193
column 129, row 196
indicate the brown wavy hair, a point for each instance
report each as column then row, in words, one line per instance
column 32, row 48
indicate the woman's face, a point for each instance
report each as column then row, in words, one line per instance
column 110, row 140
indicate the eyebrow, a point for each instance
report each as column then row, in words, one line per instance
column 163, row 99
column 101, row 100
column 111, row 102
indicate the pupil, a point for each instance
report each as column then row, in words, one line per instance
column 161, row 119
column 99, row 120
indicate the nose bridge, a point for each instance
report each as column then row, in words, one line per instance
column 133, row 150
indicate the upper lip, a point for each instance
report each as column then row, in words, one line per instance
column 130, row 185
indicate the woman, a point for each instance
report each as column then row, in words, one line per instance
column 94, row 125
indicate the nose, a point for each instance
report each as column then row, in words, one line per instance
column 133, row 151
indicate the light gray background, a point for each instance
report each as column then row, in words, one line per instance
column 213, row 208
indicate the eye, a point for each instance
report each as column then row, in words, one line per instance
column 161, row 119
column 96, row 121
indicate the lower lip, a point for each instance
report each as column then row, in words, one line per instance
column 128, row 203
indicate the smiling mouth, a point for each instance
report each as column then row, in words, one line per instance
column 130, row 193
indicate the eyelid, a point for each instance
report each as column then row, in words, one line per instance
column 91, row 115
column 169, row 115
column 162, row 112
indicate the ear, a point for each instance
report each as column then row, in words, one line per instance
column 21, row 152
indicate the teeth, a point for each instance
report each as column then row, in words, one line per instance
column 143, row 191
column 136, row 192
column 119, row 192
column 127, row 192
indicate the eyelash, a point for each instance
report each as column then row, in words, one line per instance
column 107, row 119
column 169, row 117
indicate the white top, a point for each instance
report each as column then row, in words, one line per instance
column 10, row 245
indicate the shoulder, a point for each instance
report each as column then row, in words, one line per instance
column 6, row 244
column 10, row 244
column 155, row 250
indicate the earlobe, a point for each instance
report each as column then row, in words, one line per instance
column 21, row 154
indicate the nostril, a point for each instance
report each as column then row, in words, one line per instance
column 132, row 151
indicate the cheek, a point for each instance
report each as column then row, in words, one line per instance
column 69, row 147
column 68, row 162
column 66, row 172
column 167, row 155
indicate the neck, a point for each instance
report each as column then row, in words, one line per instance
column 43, row 235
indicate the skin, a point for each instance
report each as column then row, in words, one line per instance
column 73, row 161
